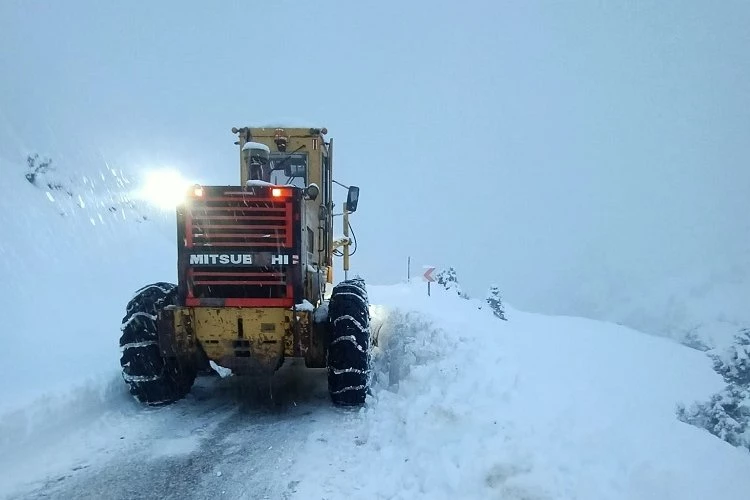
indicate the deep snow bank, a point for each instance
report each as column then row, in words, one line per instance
column 467, row 406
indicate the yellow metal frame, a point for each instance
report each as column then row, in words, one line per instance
column 247, row 340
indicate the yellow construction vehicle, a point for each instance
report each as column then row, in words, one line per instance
column 255, row 278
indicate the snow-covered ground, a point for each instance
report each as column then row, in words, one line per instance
column 463, row 405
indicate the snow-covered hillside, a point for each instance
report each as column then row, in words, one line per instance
column 463, row 405
column 703, row 306
column 69, row 263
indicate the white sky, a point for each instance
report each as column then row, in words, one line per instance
column 543, row 146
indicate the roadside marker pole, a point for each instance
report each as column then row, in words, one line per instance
column 428, row 277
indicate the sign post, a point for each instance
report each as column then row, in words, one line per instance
column 428, row 277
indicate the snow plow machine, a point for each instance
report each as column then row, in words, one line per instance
column 255, row 278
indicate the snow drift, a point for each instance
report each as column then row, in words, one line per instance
column 468, row 406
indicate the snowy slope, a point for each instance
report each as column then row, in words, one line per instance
column 703, row 306
column 69, row 264
column 467, row 406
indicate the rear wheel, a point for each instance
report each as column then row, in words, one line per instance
column 152, row 378
column 348, row 356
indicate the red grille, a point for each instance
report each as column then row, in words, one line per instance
column 239, row 221
column 246, row 222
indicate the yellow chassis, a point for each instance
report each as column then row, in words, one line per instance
column 249, row 341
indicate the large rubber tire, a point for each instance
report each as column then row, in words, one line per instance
column 348, row 357
column 153, row 379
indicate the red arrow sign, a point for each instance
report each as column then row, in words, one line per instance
column 428, row 274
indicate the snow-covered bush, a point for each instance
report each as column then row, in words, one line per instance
column 35, row 168
column 38, row 173
column 692, row 339
column 727, row 414
column 495, row 301
column 448, row 279
column 734, row 365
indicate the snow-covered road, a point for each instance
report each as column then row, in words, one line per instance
column 229, row 439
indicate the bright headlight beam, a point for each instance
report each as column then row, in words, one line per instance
column 166, row 188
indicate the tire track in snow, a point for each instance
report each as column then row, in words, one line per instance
column 230, row 438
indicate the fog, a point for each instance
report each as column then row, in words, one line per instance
column 576, row 155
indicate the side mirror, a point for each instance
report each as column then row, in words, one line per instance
column 312, row 191
column 352, row 198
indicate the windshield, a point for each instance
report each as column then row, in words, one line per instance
column 288, row 168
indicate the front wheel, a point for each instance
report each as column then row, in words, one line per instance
column 348, row 356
